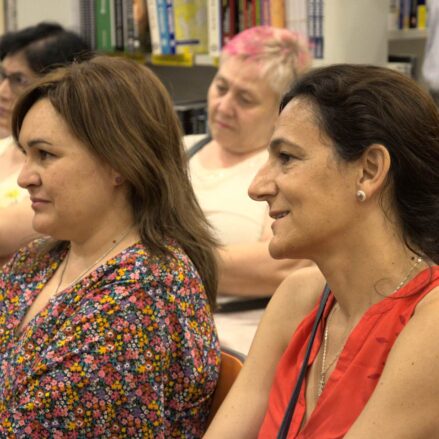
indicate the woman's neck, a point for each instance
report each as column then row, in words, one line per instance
column 365, row 273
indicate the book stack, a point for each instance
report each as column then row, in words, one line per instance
column 111, row 25
column 205, row 26
column 407, row 14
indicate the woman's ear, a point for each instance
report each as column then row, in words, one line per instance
column 374, row 169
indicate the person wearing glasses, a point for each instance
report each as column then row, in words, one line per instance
column 25, row 55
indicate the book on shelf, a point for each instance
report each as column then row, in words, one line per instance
column 229, row 20
column 165, row 17
column 315, row 27
column 190, row 18
column 214, row 27
column 422, row 14
column 265, row 12
column 154, row 31
column 296, row 17
column 131, row 24
column 119, row 24
column 413, row 14
column 407, row 14
column 105, row 29
column 277, row 13
column 87, row 21
column 141, row 26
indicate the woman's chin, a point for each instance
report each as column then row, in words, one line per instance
column 280, row 251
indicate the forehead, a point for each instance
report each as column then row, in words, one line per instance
column 298, row 123
column 244, row 75
column 42, row 120
column 17, row 63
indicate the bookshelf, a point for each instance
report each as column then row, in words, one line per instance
column 407, row 34
column 355, row 31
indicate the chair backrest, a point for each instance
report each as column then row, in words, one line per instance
column 231, row 365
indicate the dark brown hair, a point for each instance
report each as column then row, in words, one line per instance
column 360, row 105
column 122, row 113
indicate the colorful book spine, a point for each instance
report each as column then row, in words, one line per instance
column 265, row 12
column 190, row 18
column 154, row 30
column 422, row 14
column 214, row 27
column 315, row 27
column 256, row 8
column 277, row 13
column 105, row 41
column 166, row 27
column 171, row 25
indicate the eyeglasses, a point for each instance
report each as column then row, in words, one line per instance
column 17, row 81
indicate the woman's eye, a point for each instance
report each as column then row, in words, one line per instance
column 221, row 89
column 285, row 158
column 246, row 101
column 44, row 155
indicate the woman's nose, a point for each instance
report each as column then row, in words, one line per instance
column 226, row 104
column 263, row 185
column 6, row 93
column 28, row 176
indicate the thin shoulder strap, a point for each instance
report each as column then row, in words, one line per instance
column 198, row 146
column 288, row 416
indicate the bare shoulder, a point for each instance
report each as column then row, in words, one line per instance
column 293, row 300
column 405, row 403
column 241, row 415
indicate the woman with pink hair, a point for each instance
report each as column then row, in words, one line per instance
column 256, row 68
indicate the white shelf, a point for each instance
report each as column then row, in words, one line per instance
column 407, row 34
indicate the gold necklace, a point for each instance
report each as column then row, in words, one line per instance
column 115, row 244
column 324, row 369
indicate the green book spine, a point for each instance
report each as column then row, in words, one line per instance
column 104, row 26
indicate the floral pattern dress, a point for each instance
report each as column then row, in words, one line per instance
column 128, row 351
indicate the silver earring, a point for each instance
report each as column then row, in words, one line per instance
column 361, row 195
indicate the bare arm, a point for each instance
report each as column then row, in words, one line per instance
column 249, row 270
column 405, row 403
column 15, row 228
column 242, row 412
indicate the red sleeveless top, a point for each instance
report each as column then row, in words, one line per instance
column 357, row 370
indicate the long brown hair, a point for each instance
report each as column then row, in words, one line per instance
column 121, row 111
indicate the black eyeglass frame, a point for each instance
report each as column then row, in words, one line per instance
column 17, row 80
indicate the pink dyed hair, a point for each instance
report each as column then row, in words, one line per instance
column 280, row 54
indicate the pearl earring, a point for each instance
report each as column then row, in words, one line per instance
column 361, row 195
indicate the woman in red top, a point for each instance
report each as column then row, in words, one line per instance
column 352, row 182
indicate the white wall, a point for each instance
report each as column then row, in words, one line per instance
column 65, row 12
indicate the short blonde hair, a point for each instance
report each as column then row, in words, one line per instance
column 281, row 55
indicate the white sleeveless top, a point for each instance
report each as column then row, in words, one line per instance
column 10, row 192
column 222, row 194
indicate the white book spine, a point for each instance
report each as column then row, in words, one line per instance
column 154, row 27
column 214, row 27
